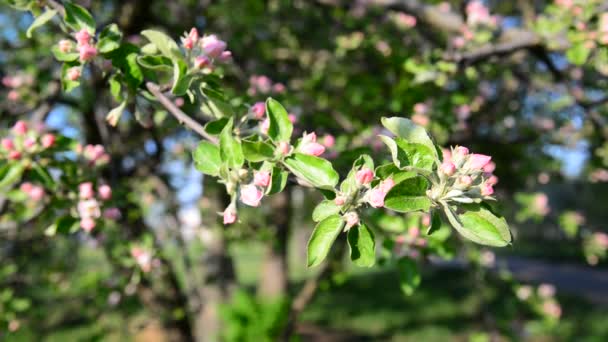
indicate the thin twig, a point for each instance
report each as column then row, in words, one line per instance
column 179, row 114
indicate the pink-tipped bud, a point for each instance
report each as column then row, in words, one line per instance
column 225, row 56
column 413, row 232
column 386, row 185
column 251, row 195
column 261, row 178
column 229, row 215
column 340, row 200
column 259, row 110
column 48, row 140
column 14, row 155
column 29, row 142
column 87, row 52
column 376, row 197
column 20, row 128
column 83, row 37
column 265, row 126
column 105, row 192
column 461, row 151
column 351, row 218
column 487, row 190
column 73, row 73
column 26, row 187
column 213, row 46
column 493, row 180
column 329, row 141
column 448, row 168
column 284, row 148
column 292, row 118
column 202, row 62
column 465, row 181
column 65, row 45
column 489, row 167
column 447, row 155
column 278, row 88
column 364, row 176
column 36, row 193
column 193, row 35
column 313, row 149
column 8, row 144
column 309, row 137
column 426, row 220
column 478, row 161
column 86, row 191
column 87, row 224
column 13, row 95
column 188, row 43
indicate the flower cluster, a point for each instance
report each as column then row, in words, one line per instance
column 595, row 247
column 25, row 142
column 90, row 205
column 543, row 301
column 205, row 50
column 95, row 155
column 84, row 46
column 34, row 192
column 143, row 258
column 478, row 14
column 464, row 177
column 260, row 84
column 410, row 244
column 15, row 84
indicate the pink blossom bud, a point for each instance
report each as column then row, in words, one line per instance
column 364, row 176
column 188, row 43
column 251, row 195
column 552, row 308
column 413, row 232
column 87, row 224
column 85, row 190
column 465, row 181
column 229, row 215
column 420, row 119
column 487, row 190
column 546, row 290
column 20, row 128
column 313, row 149
column 36, row 193
column 426, row 220
column 386, row 185
column 87, row 52
column 478, row 161
column 193, row 34
column 489, row 167
column 201, row 62
column 14, row 155
column 8, row 144
column 83, row 37
column 26, row 187
column 213, row 46
column 448, row 168
column 259, row 110
column 65, row 45
column 447, row 155
column 48, row 140
column 112, row 213
column 261, row 178
column 105, row 192
column 29, row 142
column 376, row 197
column 265, row 126
column 309, row 137
column 284, row 148
column 493, row 180
column 179, row 102
column 73, row 73
column 329, row 141
column 292, row 118
column 461, row 151
column 225, row 56
column 351, row 219
column 278, row 88
column 13, row 95
column 340, row 200
column 421, row 108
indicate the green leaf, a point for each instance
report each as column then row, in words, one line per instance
column 10, row 173
column 115, row 88
column 578, row 53
column 280, row 127
column 78, row 18
column 415, row 155
column 165, row 44
column 125, row 59
column 435, row 223
column 42, row 175
column 406, row 129
column 155, row 62
column 181, row 79
column 314, row 170
column 392, row 171
column 207, row 158
column 409, row 275
column 63, row 56
column 63, row 225
column 479, row 225
column 257, row 151
column 40, row 21
column 324, row 210
column 362, row 246
column 278, row 180
column 230, row 148
column 215, row 127
column 409, row 195
column 67, row 84
column 109, row 39
column 322, row 238
column 215, row 103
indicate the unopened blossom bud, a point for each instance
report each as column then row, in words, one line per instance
column 73, row 73
column 87, row 52
column 36, row 193
column 13, row 95
column 229, row 215
column 202, row 62
column 265, row 126
column 65, row 45
column 465, row 181
column 478, row 161
column 14, row 155
column 213, row 46
column 8, row 144
column 426, row 220
column 313, row 149
column 364, row 176
column 421, row 108
column 48, row 140
column 351, row 218
column 283, row 148
column 261, row 178
column 26, row 187
column 83, row 37
column 20, row 128
column 546, row 290
column 278, row 88
column 413, row 232
column 85, row 190
column 448, row 168
column 225, row 56
column 87, row 224
column 329, row 141
column 376, row 197
column 193, row 34
column 486, row 190
column 112, row 213
column 386, row 185
column 340, row 200
column 493, row 180
column 309, row 137
column 251, row 195
column 489, row 167
column 29, row 142
column 105, row 192
column 292, row 118
column 259, row 110
column 461, row 151
column 188, row 43
column 552, row 308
